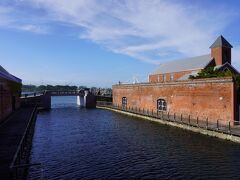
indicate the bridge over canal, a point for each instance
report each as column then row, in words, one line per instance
column 84, row 98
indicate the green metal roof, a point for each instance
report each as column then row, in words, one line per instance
column 221, row 42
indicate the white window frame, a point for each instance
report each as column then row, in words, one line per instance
column 124, row 102
column 161, row 105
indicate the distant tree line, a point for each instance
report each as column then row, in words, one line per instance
column 94, row 90
column 33, row 88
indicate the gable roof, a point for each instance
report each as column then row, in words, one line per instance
column 6, row 75
column 194, row 63
column 227, row 66
column 221, row 42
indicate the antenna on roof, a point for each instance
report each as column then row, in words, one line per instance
column 135, row 80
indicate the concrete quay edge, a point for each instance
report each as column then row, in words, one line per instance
column 207, row 132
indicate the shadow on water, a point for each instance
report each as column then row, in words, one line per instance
column 74, row 143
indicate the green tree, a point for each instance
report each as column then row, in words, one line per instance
column 211, row 72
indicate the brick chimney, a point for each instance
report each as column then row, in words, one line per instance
column 221, row 51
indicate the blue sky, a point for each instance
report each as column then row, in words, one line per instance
column 98, row 43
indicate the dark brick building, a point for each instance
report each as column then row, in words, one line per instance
column 10, row 91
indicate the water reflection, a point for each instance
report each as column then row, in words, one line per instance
column 74, row 143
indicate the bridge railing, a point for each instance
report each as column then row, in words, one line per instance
column 32, row 94
column 56, row 93
column 19, row 165
column 218, row 125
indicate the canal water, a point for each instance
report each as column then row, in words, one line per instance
column 74, row 143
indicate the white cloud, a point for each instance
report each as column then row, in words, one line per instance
column 5, row 19
column 33, row 28
column 9, row 18
column 142, row 29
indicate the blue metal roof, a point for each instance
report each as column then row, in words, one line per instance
column 6, row 75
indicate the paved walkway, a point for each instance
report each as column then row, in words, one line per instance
column 11, row 133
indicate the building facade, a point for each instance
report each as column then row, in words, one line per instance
column 170, row 90
column 220, row 58
column 10, row 92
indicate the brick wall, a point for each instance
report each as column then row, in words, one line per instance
column 176, row 75
column 221, row 55
column 6, row 95
column 212, row 98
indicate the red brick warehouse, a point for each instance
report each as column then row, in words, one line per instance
column 170, row 90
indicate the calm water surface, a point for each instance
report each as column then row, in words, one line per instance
column 74, row 143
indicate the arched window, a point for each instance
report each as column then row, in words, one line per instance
column 124, row 102
column 161, row 105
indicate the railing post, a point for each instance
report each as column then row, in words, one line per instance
column 189, row 119
column 157, row 112
column 152, row 112
column 229, row 127
column 162, row 115
column 181, row 118
column 217, row 125
column 197, row 122
column 174, row 116
column 168, row 115
column 207, row 123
